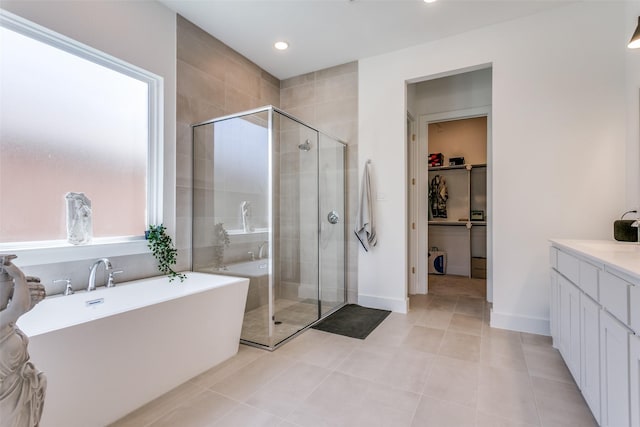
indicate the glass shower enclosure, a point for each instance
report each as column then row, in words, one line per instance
column 269, row 204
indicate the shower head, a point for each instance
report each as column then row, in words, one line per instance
column 306, row 146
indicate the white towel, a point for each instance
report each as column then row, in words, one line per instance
column 365, row 224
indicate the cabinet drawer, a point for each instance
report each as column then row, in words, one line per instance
column 589, row 279
column 569, row 266
column 614, row 296
column 634, row 308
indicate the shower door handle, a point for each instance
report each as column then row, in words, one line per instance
column 333, row 217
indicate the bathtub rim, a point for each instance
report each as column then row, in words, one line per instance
column 41, row 328
column 252, row 270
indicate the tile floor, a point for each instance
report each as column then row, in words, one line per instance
column 292, row 316
column 440, row 365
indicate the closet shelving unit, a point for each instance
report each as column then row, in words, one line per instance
column 467, row 191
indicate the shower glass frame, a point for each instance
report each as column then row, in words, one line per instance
column 274, row 264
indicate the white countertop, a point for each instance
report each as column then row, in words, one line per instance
column 623, row 256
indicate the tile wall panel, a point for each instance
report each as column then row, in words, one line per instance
column 213, row 80
column 328, row 100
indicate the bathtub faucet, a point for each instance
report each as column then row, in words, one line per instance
column 261, row 249
column 92, row 275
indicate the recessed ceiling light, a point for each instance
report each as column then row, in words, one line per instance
column 430, row 1
column 281, row 45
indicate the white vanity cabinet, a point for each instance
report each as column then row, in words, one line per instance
column 590, row 353
column 634, row 304
column 634, row 376
column 595, row 324
column 569, row 322
column 614, row 376
column 553, row 307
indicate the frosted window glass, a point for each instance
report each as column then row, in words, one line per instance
column 241, row 172
column 69, row 125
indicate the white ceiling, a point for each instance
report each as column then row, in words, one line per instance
column 324, row 33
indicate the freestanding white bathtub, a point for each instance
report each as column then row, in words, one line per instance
column 258, row 273
column 108, row 352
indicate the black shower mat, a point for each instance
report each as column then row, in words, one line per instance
column 352, row 321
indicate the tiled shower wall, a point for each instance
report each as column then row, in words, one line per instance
column 213, row 80
column 328, row 100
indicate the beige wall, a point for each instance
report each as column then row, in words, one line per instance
column 212, row 81
column 328, row 100
column 460, row 138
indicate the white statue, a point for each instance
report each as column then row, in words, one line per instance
column 22, row 386
column 79, row 222
column 245, row 208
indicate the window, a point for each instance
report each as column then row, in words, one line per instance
column 74, row 119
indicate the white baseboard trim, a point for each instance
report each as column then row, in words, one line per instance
column 393, row 304
column 533, row 325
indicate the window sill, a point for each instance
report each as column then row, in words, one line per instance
column 241, row 236
column 241, row 232
column 50, row 252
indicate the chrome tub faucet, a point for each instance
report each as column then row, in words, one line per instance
column 92, row 275
column 261, row 249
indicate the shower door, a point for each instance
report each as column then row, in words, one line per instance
column 295, row 220
column 268, row 204
column 331, row 191
column 309, row 188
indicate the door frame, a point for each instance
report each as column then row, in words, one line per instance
column 412, row 211
column 421, row 203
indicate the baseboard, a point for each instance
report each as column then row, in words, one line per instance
column 393, row 304
column 533, row 325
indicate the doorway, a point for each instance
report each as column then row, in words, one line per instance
column 450, row 239
column 457, row 205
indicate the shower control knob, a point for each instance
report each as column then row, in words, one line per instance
column 333, row 217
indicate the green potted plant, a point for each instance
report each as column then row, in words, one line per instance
column 163, row 250
column 220, row 241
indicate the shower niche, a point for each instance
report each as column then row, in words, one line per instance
column 269, row 204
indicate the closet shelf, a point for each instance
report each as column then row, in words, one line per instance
column 460, row 223
column 445, row 168
column 457, row 223
column 462, row 240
